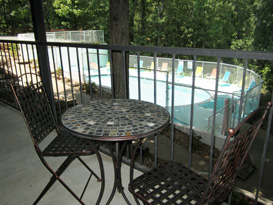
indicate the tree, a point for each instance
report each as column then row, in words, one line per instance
column 76, row 15
column 15, row 17
column 244, row 23
column 72, row 14
column 263, row 40
column 177, row 23
column 51, row 19
column 263, row 36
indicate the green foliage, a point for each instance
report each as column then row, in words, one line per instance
column 263, row 40
column 198, row 23
column 15, row 17
column 59, row 72
column 263, row 36
column 86, row 87
column 265, row 69
column 224, row 24
column 13, row 50
column 84, row 14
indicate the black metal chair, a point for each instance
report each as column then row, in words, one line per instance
column 37, row 113
column 173, row 183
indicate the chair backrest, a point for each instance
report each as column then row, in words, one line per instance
column 36, row 110
column 94, row 66
column 180, row 68
column 226, row 76
column 213, row 73
column 232, row 156
column 152, row 65
column 252, row 85
column 141, row 64
column 199, row 71
column 164, row 66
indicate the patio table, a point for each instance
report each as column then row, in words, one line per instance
column 117, row 122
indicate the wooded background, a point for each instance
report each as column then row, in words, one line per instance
column 222, row 24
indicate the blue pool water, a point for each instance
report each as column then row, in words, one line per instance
column 182, row 94
column 203, row 101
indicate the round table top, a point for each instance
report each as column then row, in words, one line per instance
column 116, row 119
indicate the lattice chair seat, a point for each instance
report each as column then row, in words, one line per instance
column 65, row 143
column 173, row 183
column 177, row 182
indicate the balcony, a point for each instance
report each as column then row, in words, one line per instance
column 23, row 176
column 69, row 86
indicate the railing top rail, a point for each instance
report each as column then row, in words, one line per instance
column 223, row 53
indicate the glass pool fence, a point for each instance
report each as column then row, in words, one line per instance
column 143, row 88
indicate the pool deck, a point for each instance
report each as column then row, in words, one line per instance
column 205, row 83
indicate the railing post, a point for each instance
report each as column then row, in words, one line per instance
column 167, row 89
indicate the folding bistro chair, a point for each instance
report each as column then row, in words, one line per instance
column 173, row 183
column 38, row 116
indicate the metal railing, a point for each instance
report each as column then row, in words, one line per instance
column 231, row 106
column 70, row 81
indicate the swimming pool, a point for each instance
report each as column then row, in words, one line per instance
column 182, row 93
column 203, row 100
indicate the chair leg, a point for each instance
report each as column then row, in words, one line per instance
column 47, row 187
column 87, row 167
column 56, row 176
column 102, row 179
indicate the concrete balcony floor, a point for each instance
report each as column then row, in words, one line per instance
column 23, row 176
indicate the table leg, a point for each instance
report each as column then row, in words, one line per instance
column 132, row 163
column 116, row 154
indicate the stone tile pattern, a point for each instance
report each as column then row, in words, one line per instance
column 115, row 118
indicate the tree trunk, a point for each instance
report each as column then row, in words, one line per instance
column 132, row 18
column 119, row 34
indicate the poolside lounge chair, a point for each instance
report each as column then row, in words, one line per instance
column 152, row 66
column 189, row 65
column 249, row 89
column 225, row 77
column 250, row 93
column 93, row 66
column 180, row 70
column 164, row 67
column 212, row 75
column 251, row 86
column 140, row 64
column 199, row 71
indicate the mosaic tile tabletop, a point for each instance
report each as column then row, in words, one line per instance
column 112, row 120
